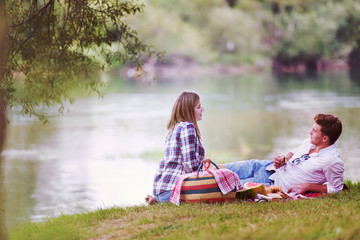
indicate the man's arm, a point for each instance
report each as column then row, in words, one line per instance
column 280, row 161
column 307, row 187
column 334, row 174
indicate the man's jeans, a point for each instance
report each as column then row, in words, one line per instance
column 253, row 170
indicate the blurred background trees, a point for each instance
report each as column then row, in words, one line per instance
column 54, row 47
column 293, row 35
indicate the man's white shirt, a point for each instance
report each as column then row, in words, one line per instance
column 324, row 167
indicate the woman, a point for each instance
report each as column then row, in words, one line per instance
column 183, row 149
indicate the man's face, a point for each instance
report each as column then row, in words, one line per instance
column 316, row 136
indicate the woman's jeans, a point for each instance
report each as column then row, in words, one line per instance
column 163, row 197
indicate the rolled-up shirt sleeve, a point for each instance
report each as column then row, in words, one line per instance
column 335, row 177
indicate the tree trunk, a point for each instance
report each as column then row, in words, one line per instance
column 3, row 31
column 354, row 59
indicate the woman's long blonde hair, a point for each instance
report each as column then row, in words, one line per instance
column 184, row 111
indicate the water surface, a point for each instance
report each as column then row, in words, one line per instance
column 104, row 152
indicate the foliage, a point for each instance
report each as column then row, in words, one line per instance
column 307, row 36
column 235, row 31
column 173, row 27
column 170, row 33
column 349, row 32
column 228, row 39
column 192, row 29
column 325, row 218
column 54, row 47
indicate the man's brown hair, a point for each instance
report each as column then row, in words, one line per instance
column 330, row 126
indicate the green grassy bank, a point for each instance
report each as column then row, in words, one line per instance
column 333, row 217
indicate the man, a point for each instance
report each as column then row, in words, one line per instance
column 314, row 166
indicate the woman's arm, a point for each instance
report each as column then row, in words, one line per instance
column 188, row 140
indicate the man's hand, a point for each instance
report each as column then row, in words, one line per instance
column 307, row 187
column 279, row 161
column 299, row 188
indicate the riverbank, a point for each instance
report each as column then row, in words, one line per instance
column 330, row 217
column 183, row 68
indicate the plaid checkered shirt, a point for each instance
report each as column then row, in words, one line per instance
column 183, row 154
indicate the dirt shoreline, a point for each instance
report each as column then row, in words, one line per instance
column 189, row 69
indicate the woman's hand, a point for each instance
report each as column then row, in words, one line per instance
column 206, row 162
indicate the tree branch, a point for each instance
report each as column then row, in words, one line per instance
column 51, row 2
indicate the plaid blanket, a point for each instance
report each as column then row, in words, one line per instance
column 226, row 180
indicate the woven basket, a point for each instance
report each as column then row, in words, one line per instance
column 204, row 189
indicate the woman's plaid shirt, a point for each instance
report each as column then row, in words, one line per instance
column 183, row 154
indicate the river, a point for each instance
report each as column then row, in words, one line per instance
column 104, row 152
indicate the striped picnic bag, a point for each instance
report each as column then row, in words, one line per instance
column 204, row 188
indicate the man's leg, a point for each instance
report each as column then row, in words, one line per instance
column 253, row 170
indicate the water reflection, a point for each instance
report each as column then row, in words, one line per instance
column 105, row 152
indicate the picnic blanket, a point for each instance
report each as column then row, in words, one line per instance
column 275, row 193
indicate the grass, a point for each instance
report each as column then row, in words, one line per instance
column 333, row 217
